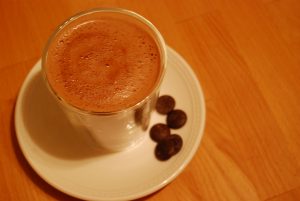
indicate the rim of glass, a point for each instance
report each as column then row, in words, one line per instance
column 159, row 39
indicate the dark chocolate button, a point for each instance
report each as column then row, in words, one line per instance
column 159, row 131
column 165, row 104
column 176, row 119
column 164, row 150
column 177, row 142
column 168, row 147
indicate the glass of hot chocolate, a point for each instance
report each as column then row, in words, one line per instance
column 104, row 68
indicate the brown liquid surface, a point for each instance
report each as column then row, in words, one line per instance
column 103, row 65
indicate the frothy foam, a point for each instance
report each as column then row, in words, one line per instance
column 103, row 65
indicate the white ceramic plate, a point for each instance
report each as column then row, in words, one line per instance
column 65, row 160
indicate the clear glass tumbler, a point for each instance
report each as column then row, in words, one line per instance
column 117, row 130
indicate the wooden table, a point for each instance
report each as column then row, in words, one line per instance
column 246, row 54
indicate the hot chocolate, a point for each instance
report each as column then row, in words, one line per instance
column 103, row 65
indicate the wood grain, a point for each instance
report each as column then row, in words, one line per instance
column 245, row 54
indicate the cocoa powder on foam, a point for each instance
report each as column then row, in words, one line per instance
column 103, row 65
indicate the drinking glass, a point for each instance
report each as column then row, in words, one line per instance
column 117, row 130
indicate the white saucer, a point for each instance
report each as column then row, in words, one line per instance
column 65, row 161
